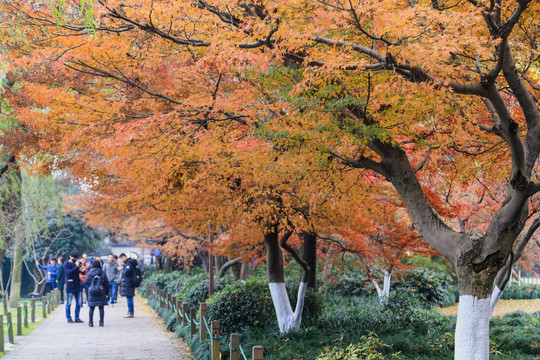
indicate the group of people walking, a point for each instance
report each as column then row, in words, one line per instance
column 98, row 280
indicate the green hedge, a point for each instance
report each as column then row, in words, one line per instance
column 398, row 329
column 519, row 292
column 427, row 287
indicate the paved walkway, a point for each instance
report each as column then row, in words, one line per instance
column 142, row 337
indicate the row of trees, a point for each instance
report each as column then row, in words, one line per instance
column 35, row 227
column 238, row 124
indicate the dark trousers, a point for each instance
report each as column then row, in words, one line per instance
column 85, row 289
column 61, row 288
column 101, row 313
column 49, row 286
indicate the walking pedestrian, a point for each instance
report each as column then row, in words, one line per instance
column 50, row 277
column 61, row 278
column 127, row 287
column 112, row 271
column 73, row 286
column 98, row 290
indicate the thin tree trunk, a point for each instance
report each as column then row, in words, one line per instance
column 219, row 262
column 203, row 255
column 310, row 257
column 244, row 271
column 210, row 269
column 383, row 293
column 328, row 265
column 287, row 319
column 16, row 266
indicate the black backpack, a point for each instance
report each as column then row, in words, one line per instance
column 96, row 287
column 137, row 277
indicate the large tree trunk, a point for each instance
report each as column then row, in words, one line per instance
column 476, row 259
column 310, row 257
column 474, row 313
column 287, row 319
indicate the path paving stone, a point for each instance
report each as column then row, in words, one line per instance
column 142, row 337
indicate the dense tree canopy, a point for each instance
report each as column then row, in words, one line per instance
column 179, row 109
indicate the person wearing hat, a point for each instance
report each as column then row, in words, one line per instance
column 50, row 277
column 73, row 286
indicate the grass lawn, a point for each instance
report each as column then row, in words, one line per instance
column 503, row 307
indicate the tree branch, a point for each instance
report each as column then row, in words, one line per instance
column 294, row 254
column 421, row 164
column 191, row 237
column 528, row 105
column 227, row 265
column 534, row 188
column 411, row 73
column 361, row 163
column 508, row 129
column 502, row 277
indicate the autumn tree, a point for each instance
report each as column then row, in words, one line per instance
column 426, row 94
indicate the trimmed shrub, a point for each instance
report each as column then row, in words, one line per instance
column 353, row 283
column 241, row 305
column 173, row 281
column 429, row 288
column 198, row 292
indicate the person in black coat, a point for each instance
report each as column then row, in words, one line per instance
column 99, row 296
column 73, row 286
column 127, row 288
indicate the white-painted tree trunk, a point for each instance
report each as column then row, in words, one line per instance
column 287, row 319
column 495, row 298
column 472, row 328
column 385, row 291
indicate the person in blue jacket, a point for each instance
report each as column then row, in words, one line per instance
column 50, row 278
column 72, row 268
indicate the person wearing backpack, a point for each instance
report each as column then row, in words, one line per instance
column 131, row 277
column 98, row 290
